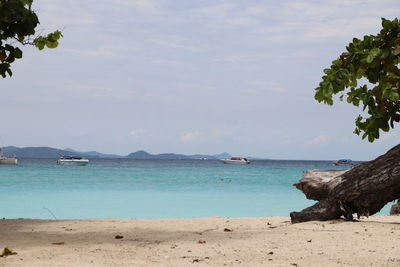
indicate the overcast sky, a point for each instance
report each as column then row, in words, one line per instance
column 190, row 77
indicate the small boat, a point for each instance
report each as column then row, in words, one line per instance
column 7, row 160
column 236, row 160
column 343, row 162
column 72, row 160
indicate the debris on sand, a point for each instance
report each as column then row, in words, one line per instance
column 7, row 252
column 58, row 243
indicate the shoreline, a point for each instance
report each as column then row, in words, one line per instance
column 214, row 241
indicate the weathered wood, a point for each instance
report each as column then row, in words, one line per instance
column 363, row 189
column 323, row 210
column 314, row 183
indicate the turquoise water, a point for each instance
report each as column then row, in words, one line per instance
column 123, row 188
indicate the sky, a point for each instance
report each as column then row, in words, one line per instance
column 191, row 77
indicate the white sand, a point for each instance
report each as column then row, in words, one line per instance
column 270, row 241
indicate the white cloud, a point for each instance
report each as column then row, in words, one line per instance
column 323, row 21
column 223, row 132
column 255, row 11
column 321, row 139
column 248, row 57
column 63, row 14
column 144, row 4
column 104, row 52
column 214, row 11
column 344, row 28
column 176, row 42
column 93, row 91
column 266, row 86
column 242, row 21
column 160, row 98
column 136, row 132
column 313, row 31
column 191, row 136
column 168, row 62
column 146, row 7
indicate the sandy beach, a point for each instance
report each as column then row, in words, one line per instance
column 216, row 241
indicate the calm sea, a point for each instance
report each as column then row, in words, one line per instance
column 124, row 188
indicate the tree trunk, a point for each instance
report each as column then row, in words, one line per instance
column 363, row 189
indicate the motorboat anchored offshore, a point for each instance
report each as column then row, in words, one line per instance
column 236, row 160
column 343, row 162
column 8, row 160
column 72, row 160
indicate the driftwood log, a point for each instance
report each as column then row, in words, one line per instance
column 364, row 189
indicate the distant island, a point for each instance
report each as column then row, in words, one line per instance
column 49, row 152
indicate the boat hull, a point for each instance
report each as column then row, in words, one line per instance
column 343, row 164
column 72, row 162
column 9, row 161
column 237, row 162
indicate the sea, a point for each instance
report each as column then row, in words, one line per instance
column 130, row 188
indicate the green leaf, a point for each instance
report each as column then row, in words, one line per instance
column 394, row 96
column 369, row 59
column 349, row 99
column 40, row 43
column 52, row 44
column 360, row 73
column 353, row 82
column 371, row 138
column 386, row 24
column 375, row 51
column 18, row 53
column 396, row 51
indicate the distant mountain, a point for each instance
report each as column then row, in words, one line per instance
column 90, row 154
column 9, row 148
column 93, row 154
column 144, row 155
column 223, row 156
column 49, row 152
column 140, row 155
column 34, row 152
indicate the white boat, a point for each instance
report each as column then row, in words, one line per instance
column 236, row 160
column 72, row 160
column 7, row 160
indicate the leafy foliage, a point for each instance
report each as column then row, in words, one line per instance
column 374, row 59
column 17, row 26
